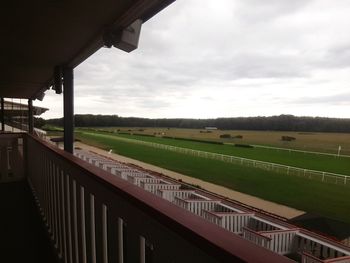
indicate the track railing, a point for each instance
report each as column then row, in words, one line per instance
column 322, row 176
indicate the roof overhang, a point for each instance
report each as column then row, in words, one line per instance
column 12, row 108
column 39, row 35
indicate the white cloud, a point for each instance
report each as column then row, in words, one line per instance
column 204, row 58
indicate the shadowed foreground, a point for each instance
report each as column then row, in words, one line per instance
column 22, row 236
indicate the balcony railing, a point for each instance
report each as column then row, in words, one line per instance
column 93, row 216
column 11, row 157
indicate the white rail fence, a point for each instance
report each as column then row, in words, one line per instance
column 274, row 167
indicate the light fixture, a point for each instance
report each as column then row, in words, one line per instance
column 57, row 80
column 126, row 40
column 40, row 96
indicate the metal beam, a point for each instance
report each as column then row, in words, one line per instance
column 68, row 108
column 2, row 115
column 30, row 117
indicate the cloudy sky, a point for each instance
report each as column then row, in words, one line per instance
column 205, row 58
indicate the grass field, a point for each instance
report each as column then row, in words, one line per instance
column 322, row 142
column 321, row 198
column 340, row 165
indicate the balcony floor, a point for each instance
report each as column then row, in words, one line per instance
column 22, row 237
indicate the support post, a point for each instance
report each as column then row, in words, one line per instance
column 2, row 115
column 30, row 117
column 68, row 108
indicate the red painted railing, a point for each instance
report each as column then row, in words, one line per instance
column 93, row 216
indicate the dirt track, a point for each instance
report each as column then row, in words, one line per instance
column 268, row 206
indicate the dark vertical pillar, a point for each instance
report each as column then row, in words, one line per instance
column 30, row 117
column 68, row 108
column 2, row 115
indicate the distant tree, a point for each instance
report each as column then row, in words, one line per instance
column 273, row 123
column 288, row 138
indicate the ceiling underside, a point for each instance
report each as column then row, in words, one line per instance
column 38, row 35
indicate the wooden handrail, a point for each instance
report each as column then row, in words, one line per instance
column 213, row 240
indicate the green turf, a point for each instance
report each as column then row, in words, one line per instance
column 312, row 196
column 339, row 165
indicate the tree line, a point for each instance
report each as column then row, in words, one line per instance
column 273, row 123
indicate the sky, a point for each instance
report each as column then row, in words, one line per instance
column 224, row 58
